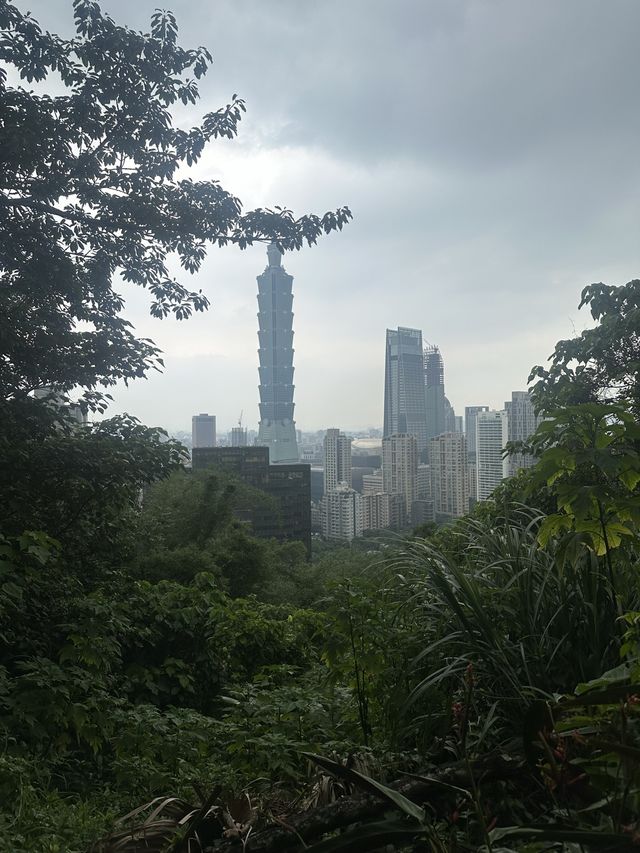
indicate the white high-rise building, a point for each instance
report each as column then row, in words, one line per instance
column 470, row 415
column 342, row 516
column 337, row 460
column 473, row 480
column 400, row 467
column 492, row 434
column 376, row 511
column 203, row 430
column 372, row 484
column 423, row 488
column 449, row 475
column 523, row 422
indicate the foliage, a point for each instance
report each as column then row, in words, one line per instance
column 153, row 646
column 591, row 463
column 91, row 186
column 401, row 632
column 191, row 522
column 601, row 365
column 580, row 777
column 528, row 623
column 80, row 486
column 369, row 645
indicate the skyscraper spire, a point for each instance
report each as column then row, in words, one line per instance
column 277, row 429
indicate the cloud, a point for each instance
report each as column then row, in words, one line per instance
column 488, row 151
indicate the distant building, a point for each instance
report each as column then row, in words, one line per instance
column 449, row 477
column 316, row 517
column 203, row 430
column 290, row 486
column 523, row 422
column 400, row 467
column 422, row 512
column 423, row 488
column 372, row 484
column 277, row 429
column 404, row 397
column 433, row 366
column 337, row 459
column 450, row 419
column 366, row 460
column 459, row 426
column 312, row 453
column 370, row 446
column 317, row 483
column 238, row 436
column 342, row 513
column 470, row 414
column 492, row 434
column 376, row 511
column 73, row 413
column 399, row 518
column 285, row 512
column 358, row 474
column 472, row 471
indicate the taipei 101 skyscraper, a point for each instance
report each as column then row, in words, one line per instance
column 277, row 429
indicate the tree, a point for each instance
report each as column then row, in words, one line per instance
column 589, row 460
column 193, row 522
column 603, row 363
column 90, row 187
column 82, row 487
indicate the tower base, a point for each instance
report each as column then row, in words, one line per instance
column 280, row 438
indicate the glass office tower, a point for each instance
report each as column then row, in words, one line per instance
column 277, row 429
column 404, row 392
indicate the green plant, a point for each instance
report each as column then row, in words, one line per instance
column 509, row 607
column 590, row 462
column 601, row 364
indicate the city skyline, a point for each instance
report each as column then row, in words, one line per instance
column 479, row 214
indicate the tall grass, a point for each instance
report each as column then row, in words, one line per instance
column 532, row 624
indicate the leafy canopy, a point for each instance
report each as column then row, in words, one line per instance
column 590, row 461
column 601, row 364
column 92, row 184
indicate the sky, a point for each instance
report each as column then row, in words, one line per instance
column 489, row 152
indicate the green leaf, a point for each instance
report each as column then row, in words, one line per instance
column 438, row 783
column 614, row 676
column 565, row 835
column 369, row 785
column 623, row 749
column 371, row 836
column 630, row 478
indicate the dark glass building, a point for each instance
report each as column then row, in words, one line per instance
column 285, row 513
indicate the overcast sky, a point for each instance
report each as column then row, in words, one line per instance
column 489, row 151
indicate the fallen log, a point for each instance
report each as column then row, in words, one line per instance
column 301, row 830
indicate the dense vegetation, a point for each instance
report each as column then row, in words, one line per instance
column 471, row 688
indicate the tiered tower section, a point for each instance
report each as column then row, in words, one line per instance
column 277, row 429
